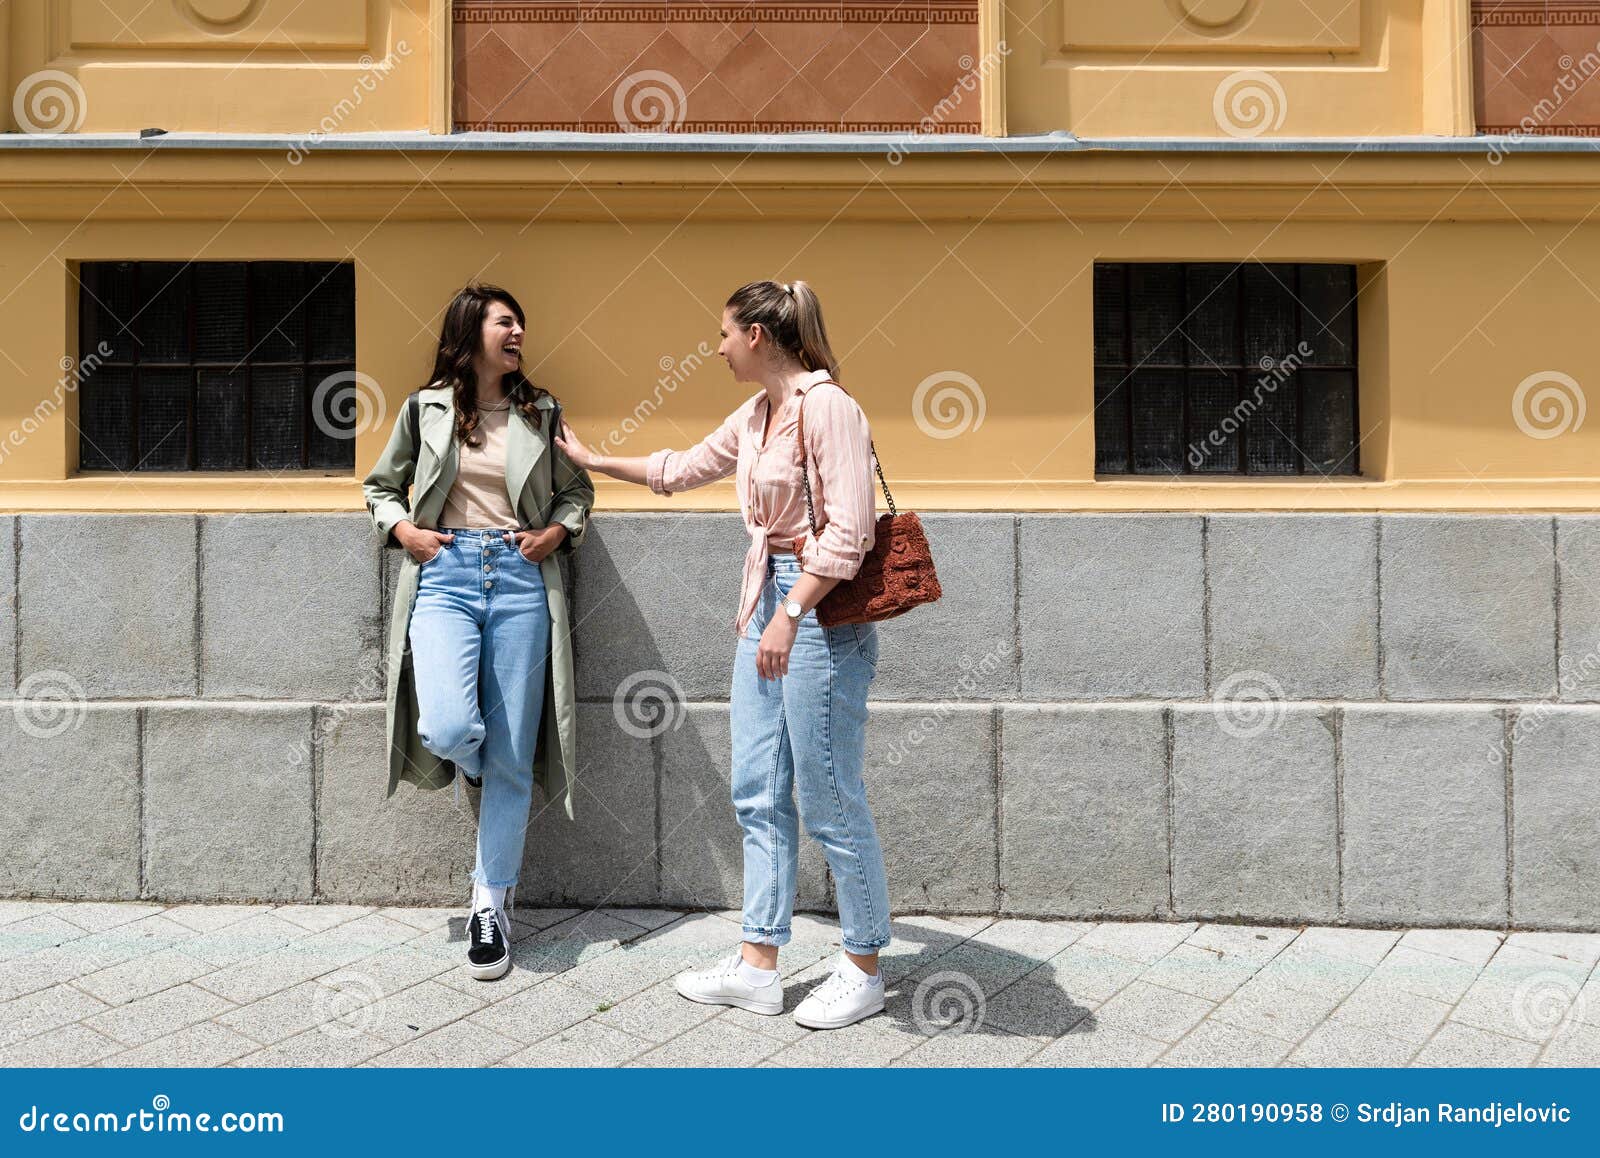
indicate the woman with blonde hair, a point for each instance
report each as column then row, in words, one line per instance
column 799, row 699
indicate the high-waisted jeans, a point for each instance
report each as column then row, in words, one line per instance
column 480, row 640
column 805, row 734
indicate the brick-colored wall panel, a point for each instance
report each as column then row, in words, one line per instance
column 772, row 65
column 1536, row 67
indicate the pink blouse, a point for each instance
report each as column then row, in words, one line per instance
column 771, row 496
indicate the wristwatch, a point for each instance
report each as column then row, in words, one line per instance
column 792, row 608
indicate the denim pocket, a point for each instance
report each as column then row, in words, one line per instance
column 866, row 641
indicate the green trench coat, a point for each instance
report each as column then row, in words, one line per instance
column 545, row 487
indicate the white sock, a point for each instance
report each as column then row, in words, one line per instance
column 853, row 971
column 750, row 975
column 487, row 897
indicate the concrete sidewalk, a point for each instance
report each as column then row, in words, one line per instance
column 128, row 984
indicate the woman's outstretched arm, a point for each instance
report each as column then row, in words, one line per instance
column 627, row 469
column 665, row 471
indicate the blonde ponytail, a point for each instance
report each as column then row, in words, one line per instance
column 791, row 314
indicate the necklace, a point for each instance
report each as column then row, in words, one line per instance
column 507, row 406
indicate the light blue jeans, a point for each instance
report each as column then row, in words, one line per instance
column 480, row 641
column 806, row 733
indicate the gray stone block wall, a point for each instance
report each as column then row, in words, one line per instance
column 1267, row 717
column 1255, row 823
column 1468, row 607
column 1295, row 597
column 8, row 603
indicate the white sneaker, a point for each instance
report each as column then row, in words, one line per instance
column 843, row 999
column 721, row 985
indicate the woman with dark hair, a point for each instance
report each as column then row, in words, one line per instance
column 799, row 700
column 479, row 655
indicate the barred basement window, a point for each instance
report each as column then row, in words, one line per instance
column 217, row 365
column 1225, row 369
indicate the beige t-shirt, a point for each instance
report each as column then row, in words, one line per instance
column 478, row 496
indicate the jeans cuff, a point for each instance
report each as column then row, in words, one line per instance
column 864, row 948
column 478, row 878
column 770, row 935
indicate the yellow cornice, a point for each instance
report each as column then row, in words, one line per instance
column 478, row 185
column 217, row 493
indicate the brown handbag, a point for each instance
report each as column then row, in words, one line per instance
column 897, row 573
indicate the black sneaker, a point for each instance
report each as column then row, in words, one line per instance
column 488, row 947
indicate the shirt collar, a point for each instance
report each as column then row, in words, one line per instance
column 812, row 379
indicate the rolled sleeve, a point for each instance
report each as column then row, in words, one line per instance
column 573, row 498
column 388, row 483
column 840, row 444
column 655, row 472
column 387, row 514
column 714, row 457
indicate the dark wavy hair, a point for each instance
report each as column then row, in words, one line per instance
column 791, row 315
column 459, row 339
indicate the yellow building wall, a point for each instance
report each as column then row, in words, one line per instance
column 929, row 270
column 1220, row 68
column 1236, row 68
column 235, row 66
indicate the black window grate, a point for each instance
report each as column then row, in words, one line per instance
column 1216, row 368
column 216, row 365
